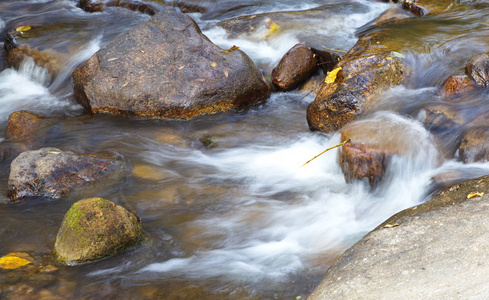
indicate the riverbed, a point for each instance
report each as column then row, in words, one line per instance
column 227, row 209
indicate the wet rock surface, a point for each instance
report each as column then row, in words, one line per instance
column 266, row 26
column 364, row 74
column 412, row 255
column 99, row 5
column 442, row 117
column 478, row 68
column 52, row 173
column 456, row 85
column 327, row 60
column 22, row 124
column 295, row 66
column 474, row 146
column 166, row 68
column 369, row 151
column 95, row 228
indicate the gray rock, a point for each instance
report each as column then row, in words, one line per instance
column 52, row 173
column 437, row 250
column 166, row 68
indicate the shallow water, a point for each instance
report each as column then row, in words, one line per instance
column 241, row 219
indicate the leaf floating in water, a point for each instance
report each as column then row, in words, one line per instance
column 22, row 28
column 331, row 77
column 11, row 261
column 473, row 195
column 390, row 225
column 398, row 54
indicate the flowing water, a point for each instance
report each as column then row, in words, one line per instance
column 241, row 219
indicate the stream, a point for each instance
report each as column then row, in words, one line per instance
column 241, row 219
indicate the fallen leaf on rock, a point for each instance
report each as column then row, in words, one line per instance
column 390, row 225
column 331, row 77
column 11, row 261
column 234, row 47
column 472, row 195
column 213, row 64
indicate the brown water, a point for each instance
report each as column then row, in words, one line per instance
column 239, row 220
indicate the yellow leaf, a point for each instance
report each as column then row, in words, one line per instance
column 12, row 262
column 213, row 64
column 473, row 195
column 398, row 54
column 234, row 47
column 22, row 28
column 331, row 77
column 390, row 225
column 272, row 28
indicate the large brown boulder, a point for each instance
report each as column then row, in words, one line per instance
column 363, row 73
column 95, row 228
column 166, row 68
column 436, row 250
column 52, row 173
column 295, row 66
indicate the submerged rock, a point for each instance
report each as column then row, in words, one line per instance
column 369, row 151
column 308, row 26
column 52, row 173
column 166, row 68
column 295, row 66
column 441, row 117
column 474, row 146
column 22, row 124
column 478, row 68
column 436, row 250
column 95, row 228
column 100, row 5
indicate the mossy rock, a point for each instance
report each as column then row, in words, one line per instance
column 95, row 228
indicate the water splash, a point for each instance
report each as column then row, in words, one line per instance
column 288, row 217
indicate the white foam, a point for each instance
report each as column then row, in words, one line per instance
column 265, row 237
